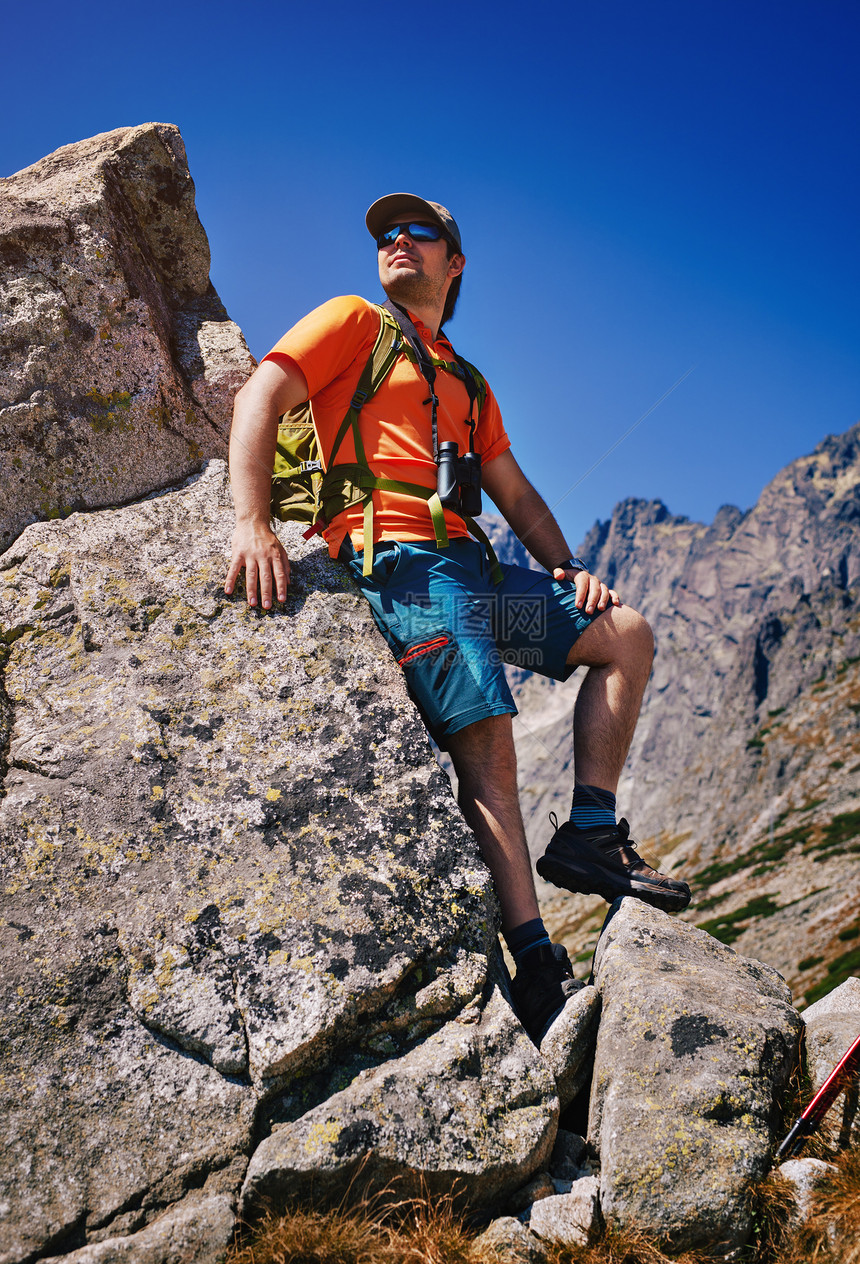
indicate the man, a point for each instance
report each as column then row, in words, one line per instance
column 439, row 608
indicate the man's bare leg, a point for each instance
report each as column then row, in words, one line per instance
column 618, row 649
column 486, row 765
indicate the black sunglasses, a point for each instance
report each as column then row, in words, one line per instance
column 418, row 232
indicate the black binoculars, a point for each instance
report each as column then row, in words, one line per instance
column 458, row 480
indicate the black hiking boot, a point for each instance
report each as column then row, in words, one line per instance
column 542, row 988
column 601, row 861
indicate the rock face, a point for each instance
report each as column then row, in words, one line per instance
column 694, row 1048
column 766, row 595
column 230, row 865
column 745, row 768
column 117, row 359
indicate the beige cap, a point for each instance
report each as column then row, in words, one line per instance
column 386, row 210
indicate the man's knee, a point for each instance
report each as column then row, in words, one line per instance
column 620, row 636
column 637, row 637
column 486, row 744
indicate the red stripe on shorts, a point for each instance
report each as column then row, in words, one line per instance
column 424, row 647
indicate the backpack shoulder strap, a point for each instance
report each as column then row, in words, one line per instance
column 386, row 349
column 480, row 382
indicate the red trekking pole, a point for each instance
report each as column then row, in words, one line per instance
column 841, row 1075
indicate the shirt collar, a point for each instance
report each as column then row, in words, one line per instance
column 426, row 335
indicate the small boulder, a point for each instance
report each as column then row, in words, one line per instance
column 831, row 1027
column 568, row 1156
column 569, row 1219
column 507, row 1241
column 472, row 1106
column 805, row 1176
column 540, row 1186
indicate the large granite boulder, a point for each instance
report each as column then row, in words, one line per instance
column 230, row 870
column 117, row 360
column 694, row 1050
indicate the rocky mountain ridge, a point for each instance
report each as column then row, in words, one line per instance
column 745, row 768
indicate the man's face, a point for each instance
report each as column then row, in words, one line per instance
column 417, row 271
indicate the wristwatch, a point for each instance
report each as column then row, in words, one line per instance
column 572, row 564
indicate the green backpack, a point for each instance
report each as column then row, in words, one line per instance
column 303, row 491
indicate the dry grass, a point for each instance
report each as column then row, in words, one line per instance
column 773, row 1209
column 619, row 1248
column 413, row 1232
column 832, row 1230
column 383, row 1230
column 365, row 1231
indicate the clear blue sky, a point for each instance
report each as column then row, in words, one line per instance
column 644, row 187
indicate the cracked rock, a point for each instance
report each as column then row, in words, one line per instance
column 568, row 1046
column 197, row 1233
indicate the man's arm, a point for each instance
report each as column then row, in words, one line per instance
column 268, row 393
column 528, row 515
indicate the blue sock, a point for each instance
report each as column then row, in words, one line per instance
column 592, row 806
column 522, row 939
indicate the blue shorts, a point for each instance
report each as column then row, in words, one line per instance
column 451, row 629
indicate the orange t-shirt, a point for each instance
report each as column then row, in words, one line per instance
column 330, row 347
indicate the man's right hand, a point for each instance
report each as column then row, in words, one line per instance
column 258, row 551
column 270, row 391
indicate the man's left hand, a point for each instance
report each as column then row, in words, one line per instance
column 591, row 593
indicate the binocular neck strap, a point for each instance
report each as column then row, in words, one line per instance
column 428, row 368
